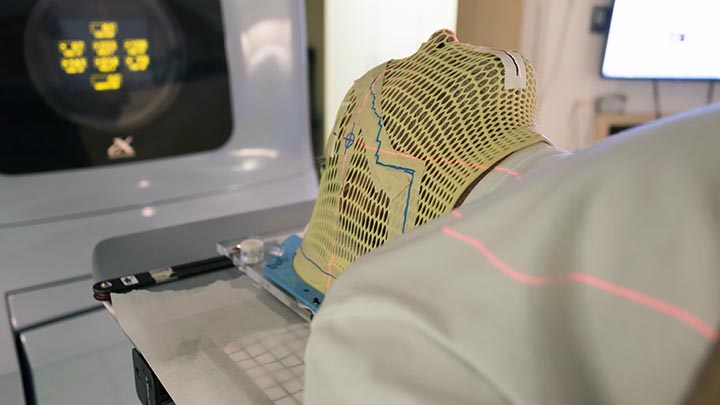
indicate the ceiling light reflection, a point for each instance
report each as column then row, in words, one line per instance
column 268, row 40
column 255, row 152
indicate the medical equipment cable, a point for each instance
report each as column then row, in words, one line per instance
column 19, row 332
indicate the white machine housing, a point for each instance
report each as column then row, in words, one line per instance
column 50, row 222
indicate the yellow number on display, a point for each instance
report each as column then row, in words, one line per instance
column 105, row 82
column 73, row 66
column 106, row 47
column 106, row 64
column 103, row 29
column 134, row 47
column 137, row 63
column 71, row 48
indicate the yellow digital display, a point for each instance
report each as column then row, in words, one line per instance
column 73, row 66
column 105, row 47
column 105, row 82
column 137, row 59
column 134, row 47
column 103, row 29
column 137, row 63
column 106, row 55
column 71, row 49
column 106, row 64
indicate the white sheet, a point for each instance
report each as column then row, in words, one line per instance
column 192, row 338
column 593, row 280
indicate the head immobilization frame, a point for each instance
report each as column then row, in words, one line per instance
column 411, row 138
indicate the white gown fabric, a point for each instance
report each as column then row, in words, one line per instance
column 594, row 279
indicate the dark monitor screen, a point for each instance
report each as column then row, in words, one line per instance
column 88, row 83
column 663, row 39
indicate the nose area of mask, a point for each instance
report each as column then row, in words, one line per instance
column 411, row 137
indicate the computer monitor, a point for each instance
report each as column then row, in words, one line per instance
column 663, row 39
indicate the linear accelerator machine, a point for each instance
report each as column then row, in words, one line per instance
column 242, row 340
column 415, row 138
column 154, row 132
column 118, row 117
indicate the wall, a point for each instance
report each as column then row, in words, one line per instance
column 492, row 23
column 556, row 37
column 360, row 35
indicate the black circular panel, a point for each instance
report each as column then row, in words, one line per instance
column 110, row 65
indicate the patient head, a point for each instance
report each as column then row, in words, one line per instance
column 411, row 138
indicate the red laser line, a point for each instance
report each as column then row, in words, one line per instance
column 668, row 309
column 429, row 159
column 456, row 214
column 655, row 304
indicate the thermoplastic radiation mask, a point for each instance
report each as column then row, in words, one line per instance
column 411, row 139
